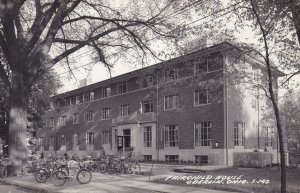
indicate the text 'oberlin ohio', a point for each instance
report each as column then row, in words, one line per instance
column 220, row 179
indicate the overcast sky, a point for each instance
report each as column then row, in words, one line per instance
column 95, row 71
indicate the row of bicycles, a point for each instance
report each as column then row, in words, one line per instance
column 113, row 165
column 59, row 170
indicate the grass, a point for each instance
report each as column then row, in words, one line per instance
column 249, row 174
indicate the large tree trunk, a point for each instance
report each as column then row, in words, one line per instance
column 19, row 97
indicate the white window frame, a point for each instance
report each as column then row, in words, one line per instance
column 89, row 138
column 145, row 110
column 106, row 140
column 106, row 113
column 171, row 102
column 147, row 136
column 170, row 74
column 75, row 118
column 106, row 92
column 171, row 131
column 198, row 93
column 202, row 135
column 51, row 123
column 75, row 139
column 124, row 87
column 124, row 110
column 89, row 116
column 77, row 99
column 239, row 133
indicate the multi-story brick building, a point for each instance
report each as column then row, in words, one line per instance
column 201, row 106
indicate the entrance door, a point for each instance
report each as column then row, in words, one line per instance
column 127, row 138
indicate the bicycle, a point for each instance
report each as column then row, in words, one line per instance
column 4, row 163
column 120, row 165
column 83, row 175
column 43, row 173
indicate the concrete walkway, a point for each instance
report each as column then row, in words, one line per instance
column 104, row 183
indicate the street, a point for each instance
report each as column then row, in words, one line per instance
column 5, row 188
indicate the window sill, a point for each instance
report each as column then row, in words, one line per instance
column 170, row 109
column 201, row 105
column 202, row 147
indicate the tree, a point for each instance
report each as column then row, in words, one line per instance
column 39, row 102
column 277, row 34
column 36, row 35
column 290, row 112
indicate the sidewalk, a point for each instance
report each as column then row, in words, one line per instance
column 107, row 184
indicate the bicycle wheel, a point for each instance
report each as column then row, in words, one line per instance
column 41, row 175
column 110, row 168
column 136, row 167
column 102, row 167
column 3, row 172
column 84, row 176
column 59, row 177
column 127, row 168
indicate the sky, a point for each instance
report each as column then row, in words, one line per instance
column 85, row 67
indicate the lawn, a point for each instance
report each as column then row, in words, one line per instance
column 265, row 180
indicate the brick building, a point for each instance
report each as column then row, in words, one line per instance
column 201, row 107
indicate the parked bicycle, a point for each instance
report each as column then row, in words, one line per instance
column 46, row 169
column 4, row 163
column 60, row 177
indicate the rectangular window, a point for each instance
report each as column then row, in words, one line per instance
column 200, row 66
column 172, row 158
column 147, row 81
column 77, row 100
column 148, row 136
column 90, row 138
column 171, row 74
column 106, row 92
column 124, row 87
column 202, row 96
column 41, row 141
column 64, row 120
column 89, row 116
column 60, row 121
column 88, row 96
column 214, row 63
column 106, row 137
column 75, row 118
column 254, row 101
column 203, row 133
column 75, row 139
column 147, row 106
column 106, row 113
column 171, row 135
column 51, row 141
column 72, row 100
column 116, row 137
column 256, row 74
column 171, row 102
column 269, row 136
column 147, row 157
column 239, row 133
column 62, row 140
column 61, row 103
column 201, row 159
column 51, row 123
column 124, row 110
